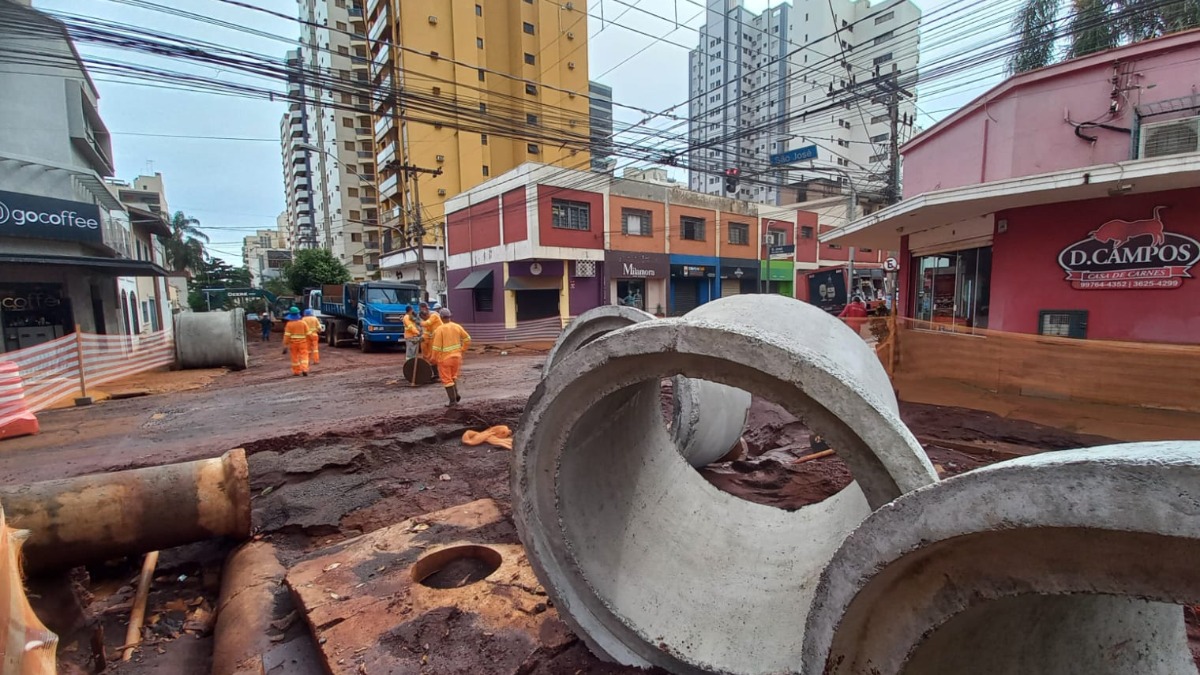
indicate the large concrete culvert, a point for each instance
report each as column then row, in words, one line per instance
column 707, row 418
column 1066, row 562
column 649, row 563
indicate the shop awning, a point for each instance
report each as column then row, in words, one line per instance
column 939, row 208
column 153, row 222
column 533, row 284
column 117, row 267
column 476, row 279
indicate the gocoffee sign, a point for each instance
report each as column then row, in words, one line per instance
column 1130, row 254
column 35, row 217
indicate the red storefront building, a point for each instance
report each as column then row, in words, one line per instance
column 1065, row 202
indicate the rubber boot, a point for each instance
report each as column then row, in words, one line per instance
column 450, row 394
column 457, row 398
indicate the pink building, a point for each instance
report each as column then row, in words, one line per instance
column 1064, row 201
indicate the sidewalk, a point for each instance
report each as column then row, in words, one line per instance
column 1119, row 422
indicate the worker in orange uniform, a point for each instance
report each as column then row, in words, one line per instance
column 314, row 336
column 295, row 340
column 412, row 334
column 449, row 343
column 855, row 313
column 430, row 321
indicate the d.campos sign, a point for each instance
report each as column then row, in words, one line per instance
column 24, row 215
column 1130, row 254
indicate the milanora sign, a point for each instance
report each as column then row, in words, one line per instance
column 1136, row 254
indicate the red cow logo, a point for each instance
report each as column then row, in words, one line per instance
column 1120, row 232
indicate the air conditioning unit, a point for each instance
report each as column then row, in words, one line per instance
column 433, row 19
column 1170, row 138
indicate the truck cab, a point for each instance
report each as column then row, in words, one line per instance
column 369, row 313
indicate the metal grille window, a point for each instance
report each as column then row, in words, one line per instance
column 806, row 232
column 691, row 228
column 739, row 233
column 585, row 268
column 635, row 222
column 482, row 299
column 1070, row 323
column 567, row 215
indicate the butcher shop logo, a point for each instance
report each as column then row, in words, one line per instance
column 1130, row 254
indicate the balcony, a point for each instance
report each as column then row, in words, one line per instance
column 362, row 131
column 355, row 10
column 372, row 4
column 365, row 154
column 388, row 187
column 380, row 25
column 368, row 199
column 387, row 154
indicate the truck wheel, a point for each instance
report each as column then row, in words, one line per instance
column 363, row 343
column 331, row 335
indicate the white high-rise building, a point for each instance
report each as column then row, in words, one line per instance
column 814, row 72
column 329, row 133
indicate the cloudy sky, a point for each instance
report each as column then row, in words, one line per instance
column 236, row 186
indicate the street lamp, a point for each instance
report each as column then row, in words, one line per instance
column 363, row 179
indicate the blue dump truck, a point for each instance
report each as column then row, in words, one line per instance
column 366, row 313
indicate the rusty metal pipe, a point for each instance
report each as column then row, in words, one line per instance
column 85, row 519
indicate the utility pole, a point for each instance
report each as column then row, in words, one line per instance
column 893, row 182
column 417, row 227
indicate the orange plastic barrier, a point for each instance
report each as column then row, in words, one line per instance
column 16, row 419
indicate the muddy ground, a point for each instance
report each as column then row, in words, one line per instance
column 353, row 449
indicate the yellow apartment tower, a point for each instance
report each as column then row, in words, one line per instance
column 473, row 88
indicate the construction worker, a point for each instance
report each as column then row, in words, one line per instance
column 314, row 336
column 449, row 342
column 295, row 340
column 855, row 313
column 430, row 321
column 413, row 332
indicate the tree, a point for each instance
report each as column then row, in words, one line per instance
column 276, row 287
column 1103, row 24
column 1094, row 28
column 185, row 247
column 214, row 273
column 1034, row 23
column 314, row 267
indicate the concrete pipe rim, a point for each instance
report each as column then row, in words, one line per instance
column 617, row 365
column 1108, row 495
column 590, row 326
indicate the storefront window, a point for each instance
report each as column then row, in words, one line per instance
column 31, row 314
column 954, row 288
column 632, row 293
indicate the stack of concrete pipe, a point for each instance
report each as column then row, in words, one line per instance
column 1031, row 566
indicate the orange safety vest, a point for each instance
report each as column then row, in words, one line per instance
column 313, row 323
column 411, row 330
column 296, row 331
column 450, row 338
column 431, row 325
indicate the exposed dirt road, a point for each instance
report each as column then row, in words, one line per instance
column 346, row 390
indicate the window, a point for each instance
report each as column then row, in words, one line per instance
column 739, row 234
column 530, row 59
column 568, row 215
column 532, row 148
column 886, row 16
column 482, row 75
column 806, row 232
column 531, row 119
column 691, row 229
column 479, row 42
column 954, row 288
column 527, row 27
column 884, row 38
column 483, row 139
column 483, row 108
column 348, row 122
column 635, row 222
column 880, row 138
column 341, row 25
column 357, row 260
column 344, row 51
column 353, row 192
column 482, row 298
column 531, row 89
column 355, row 216
column 1070, row 323
column 349, row 145
column 884, row 58
column 879, row 118
column 355, row 237
column 835, row 247
column 478, row 10
column 776, row 238
column 486, row 170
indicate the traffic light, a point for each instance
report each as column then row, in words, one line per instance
column 731, row 179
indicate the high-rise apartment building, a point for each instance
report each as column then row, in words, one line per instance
column 811, row 73
column 327, row 131
column 489, row 85
column 600, row 110
column 265, row 253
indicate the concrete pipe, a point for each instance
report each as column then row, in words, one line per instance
column 86, row 519
column 211, row 339
column 707, row 418
column 1066, row 562
column 647, row 561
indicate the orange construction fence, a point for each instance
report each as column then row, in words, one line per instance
column 1136, row 374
